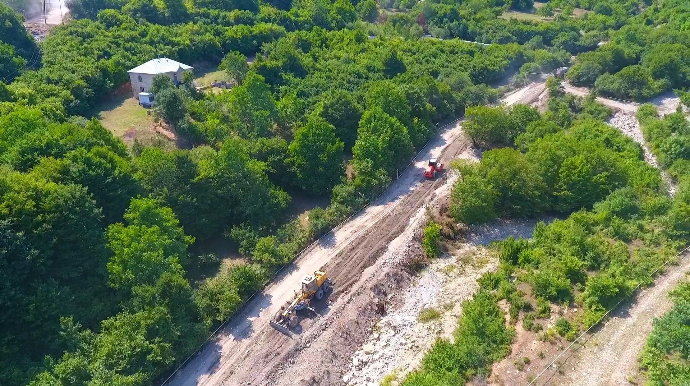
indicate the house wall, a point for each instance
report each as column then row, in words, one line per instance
column 147, row 79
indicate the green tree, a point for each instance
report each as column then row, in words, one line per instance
column 520, row 188
column 171, row 104
column 251, row 108
column 488, row 126
column 392, row 64
column 342, row 111
column 161, row 82
column 11, row 65
column 367, row 10
column 316, row 155
column 473, row 200
column 108, row 177
column 383, row 141
column 235, row 64
column 151, row 244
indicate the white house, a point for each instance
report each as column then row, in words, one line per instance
column 142, row 75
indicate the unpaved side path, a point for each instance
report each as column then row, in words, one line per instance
column 610, row 356
column 626, row 107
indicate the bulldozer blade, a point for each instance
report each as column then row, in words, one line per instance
column 280, row 328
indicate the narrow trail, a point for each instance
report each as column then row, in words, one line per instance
column 360, row 257
column 609, row 356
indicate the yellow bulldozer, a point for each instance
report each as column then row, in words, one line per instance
column 313, row 287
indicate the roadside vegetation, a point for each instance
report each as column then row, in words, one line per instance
column 621, row 227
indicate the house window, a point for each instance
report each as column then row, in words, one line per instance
column 140, row 79
column 141, row 89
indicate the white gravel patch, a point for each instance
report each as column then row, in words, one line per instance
column 399, row 340
column 629, row 126
column 501, row 229
column 666, row 103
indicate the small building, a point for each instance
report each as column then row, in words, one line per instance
column 141, row 76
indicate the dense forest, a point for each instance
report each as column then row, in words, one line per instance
column 98, row 238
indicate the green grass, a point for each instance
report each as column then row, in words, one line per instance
column 122, row 115
column 428, row 314
column 206, row 78
column 524, row 16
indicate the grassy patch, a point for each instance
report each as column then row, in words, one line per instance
column 428, row 314
column 122, row 116
column 524, row 16
column 390, row 378
column 206, row 78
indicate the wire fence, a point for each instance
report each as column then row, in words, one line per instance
column 603, row 317
column 316, row 242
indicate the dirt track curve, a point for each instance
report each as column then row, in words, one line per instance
column 247, row 351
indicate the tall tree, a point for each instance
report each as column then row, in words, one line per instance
column 342, row 111
column 316, row 155
column 251, row 108
column 235, row 64
column 382, row 143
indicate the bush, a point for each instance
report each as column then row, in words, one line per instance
column 511, row 249
column 563, row 326
column 217, row 299
column 666, row 355
column 480, row 339
column 431, row 240
column 543, row 308
column 473, row 200
column 551, row 284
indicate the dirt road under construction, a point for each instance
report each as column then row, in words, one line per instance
column 360, row 257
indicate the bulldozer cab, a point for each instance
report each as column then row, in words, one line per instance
column 309, row 284
column 433, row 162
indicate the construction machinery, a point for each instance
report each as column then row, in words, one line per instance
column 433, row 168
column 313, row 287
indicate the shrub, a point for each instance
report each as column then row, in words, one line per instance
column 551, row 284
column 481, row 338
column 528, row 321
column 562, row 326
column 543, row 308
column 473, row 200
column 431, row 240
column 511, row 249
